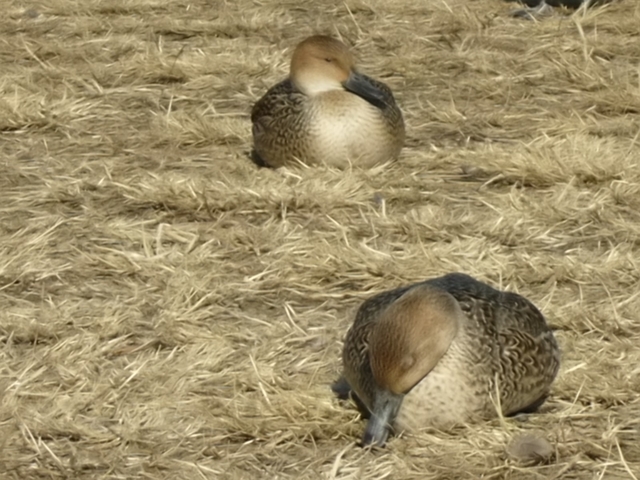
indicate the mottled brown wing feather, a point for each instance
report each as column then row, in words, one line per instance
column 270, row 100
column 277, row 120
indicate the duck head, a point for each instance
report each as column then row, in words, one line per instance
column 407, row 342
column 322, row 64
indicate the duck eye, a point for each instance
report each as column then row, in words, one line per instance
column 328, row 60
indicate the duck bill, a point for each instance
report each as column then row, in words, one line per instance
column 385, row 409
column 360, row 85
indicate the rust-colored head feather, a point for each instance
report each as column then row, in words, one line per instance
column 320, row 64
column 411, row 336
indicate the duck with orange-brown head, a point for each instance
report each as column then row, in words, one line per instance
column 446, row 351
column 326, row 112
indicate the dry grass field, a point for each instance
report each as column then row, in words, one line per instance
column 169, row 310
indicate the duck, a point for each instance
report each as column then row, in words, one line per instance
column 538, row 8
column 445, row 351
column 326, row 112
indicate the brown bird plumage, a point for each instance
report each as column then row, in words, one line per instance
column 445, row 351
column 326, row 112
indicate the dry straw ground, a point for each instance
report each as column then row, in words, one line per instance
column 168, row 310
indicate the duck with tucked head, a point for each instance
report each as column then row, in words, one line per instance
column 326, row 112
column 446, row 351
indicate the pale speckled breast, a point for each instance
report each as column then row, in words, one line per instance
column 345, row 129
column 457, row 390
column 483, row 370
